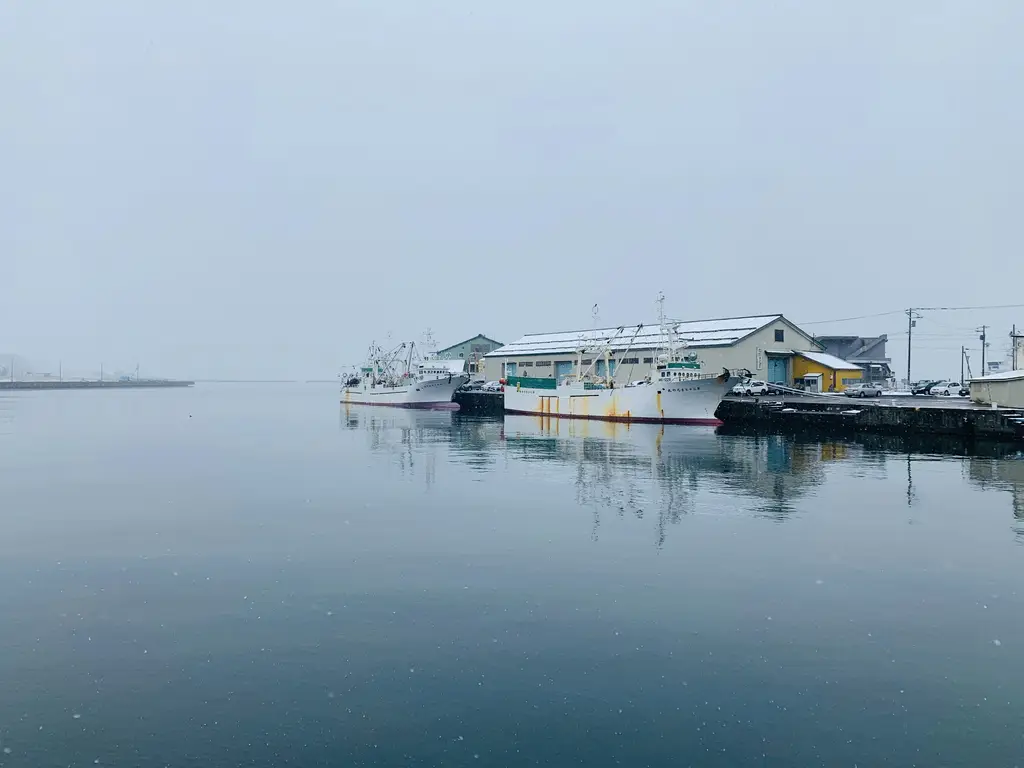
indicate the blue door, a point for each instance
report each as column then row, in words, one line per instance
column 510, row 369
column 599, row 368
column 777, row 371
column 563, row 368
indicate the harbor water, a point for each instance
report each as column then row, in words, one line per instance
column 254, row 575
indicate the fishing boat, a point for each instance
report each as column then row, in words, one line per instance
column 403, row 377
column 676, row 390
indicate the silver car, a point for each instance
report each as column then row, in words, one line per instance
column 865, row 389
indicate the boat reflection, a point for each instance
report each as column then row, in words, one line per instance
column 662, row 473
column 639, row 469
column 414, row 437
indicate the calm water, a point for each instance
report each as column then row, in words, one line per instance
column 251, row 575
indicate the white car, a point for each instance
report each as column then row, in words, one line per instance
column 947, row 388
column 750, row 388
column 492, row 386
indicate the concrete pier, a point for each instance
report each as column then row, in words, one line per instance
column 480, row 403
column 831, row 415
column 903, row 416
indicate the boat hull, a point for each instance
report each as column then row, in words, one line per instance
column 685, row 402
column 422, row 394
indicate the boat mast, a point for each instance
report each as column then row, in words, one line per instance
column 408, row 358
column 601, row 349
column 667, row 333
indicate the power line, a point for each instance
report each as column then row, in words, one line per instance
column 916, row 309
column 961, row 309
column 958, row 329
column 859, row 317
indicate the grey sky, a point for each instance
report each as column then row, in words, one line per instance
column 259, row 189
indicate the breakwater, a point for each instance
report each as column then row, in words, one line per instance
column 140, row 384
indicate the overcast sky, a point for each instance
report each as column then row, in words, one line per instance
column 260, row 189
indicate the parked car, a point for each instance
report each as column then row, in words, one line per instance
column 965, row 390
column 923, row 387
column 492, row 386
column 864, row 389
column 752, row 387
column 947, row 388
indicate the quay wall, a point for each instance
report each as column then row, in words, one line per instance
column 988, row 423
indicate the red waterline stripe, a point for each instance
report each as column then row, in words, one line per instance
column 418, row 406
column 622, row 419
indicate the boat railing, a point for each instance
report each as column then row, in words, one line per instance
column 531, row 382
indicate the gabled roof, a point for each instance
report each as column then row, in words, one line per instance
column 867, row 343
column 829, row 361
column 471, row 338
column 719, row 332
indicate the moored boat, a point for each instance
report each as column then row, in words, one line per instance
column 401, row 379
column 675, row 391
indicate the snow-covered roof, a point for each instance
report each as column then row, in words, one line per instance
column 829, row 361
column 1004, row 376
column 452, row 366
column 720, row 332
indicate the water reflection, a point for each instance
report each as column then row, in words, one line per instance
column 655, row 472
column 6, row 415
column 1007, row 475
column 413, row 438
column 638, row 468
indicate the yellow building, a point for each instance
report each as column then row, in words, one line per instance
column 821, row 372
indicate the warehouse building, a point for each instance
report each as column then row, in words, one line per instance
column 472, row 351
column 766, row 345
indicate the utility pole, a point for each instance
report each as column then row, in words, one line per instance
column 911, row 322
column 1013, row 345
column 983, row 345
column 962, row 353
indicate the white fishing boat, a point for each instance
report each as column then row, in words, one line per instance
column 675, row 391
column 403, row 378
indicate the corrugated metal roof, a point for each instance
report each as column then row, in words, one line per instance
column 1004, row 376
column 697, row 333
column 830, row 361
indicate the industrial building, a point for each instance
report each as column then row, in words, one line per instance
column 471, row 350
column 768, row 346
column 868, row 353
